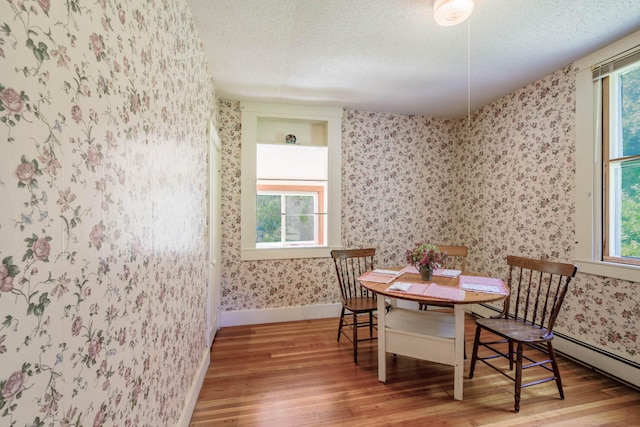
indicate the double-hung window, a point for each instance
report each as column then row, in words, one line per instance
column 291, row 181
column 608, row 160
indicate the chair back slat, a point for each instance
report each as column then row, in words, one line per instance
column 538, row 289
column 350, row 264
column 553, row 288
column 560, row 294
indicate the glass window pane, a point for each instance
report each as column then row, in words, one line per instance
column 300, row 220
column 268, row 218
column 630, row 100
column 630, row 208
column 299, row 204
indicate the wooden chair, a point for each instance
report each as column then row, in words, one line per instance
column 357, row 302
column 456, row 256
column 537, row 290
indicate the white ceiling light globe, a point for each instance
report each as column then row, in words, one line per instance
column 451, row 12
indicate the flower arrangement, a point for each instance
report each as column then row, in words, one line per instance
column 426, row 257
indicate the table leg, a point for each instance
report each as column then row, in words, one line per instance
column 382, row 353
column 458, row 352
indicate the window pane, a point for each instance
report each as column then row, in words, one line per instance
column 630, row 207
column 300, row 218
column 630, row 98
column 268, row 218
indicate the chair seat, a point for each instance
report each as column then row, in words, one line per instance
column 515, row 330
column 360, row 304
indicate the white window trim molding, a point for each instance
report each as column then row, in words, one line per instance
column 333, row 116
column 589, row 168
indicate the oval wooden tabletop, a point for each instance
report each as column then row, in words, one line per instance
column 471, row 297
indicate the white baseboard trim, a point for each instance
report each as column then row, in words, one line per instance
column 192, row 397
column 283, row 314
column 587, row 355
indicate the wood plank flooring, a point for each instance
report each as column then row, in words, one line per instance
column 297, row 374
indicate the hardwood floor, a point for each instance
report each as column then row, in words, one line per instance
column 297, row 374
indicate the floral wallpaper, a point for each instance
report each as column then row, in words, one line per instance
column 518, row 172
column 503, row 185
column 104, row 108
column 416, row 158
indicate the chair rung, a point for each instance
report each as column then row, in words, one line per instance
column 512, row 378
column 346, row 336
column 494, row 342
column 359, row 325
column 495, row 356
column 540, row 364
column 500, row 371
column 359, row 339
column 544, row 380
column 497, row 352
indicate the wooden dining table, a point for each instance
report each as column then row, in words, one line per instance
column 431, row 335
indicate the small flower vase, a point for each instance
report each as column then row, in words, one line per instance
column 426, row 272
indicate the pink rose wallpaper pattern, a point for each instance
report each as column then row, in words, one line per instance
column 104, row 108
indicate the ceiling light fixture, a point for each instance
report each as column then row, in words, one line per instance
column 451, row 12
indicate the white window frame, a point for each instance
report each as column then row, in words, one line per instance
column 251, row 111
column 589, row 166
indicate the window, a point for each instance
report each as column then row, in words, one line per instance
column 290, row 191
column 608, row 160
column 621, row 164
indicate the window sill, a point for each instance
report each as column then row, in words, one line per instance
column 609, row 269
column 286, row 253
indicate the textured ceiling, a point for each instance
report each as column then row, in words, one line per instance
column 390, row 56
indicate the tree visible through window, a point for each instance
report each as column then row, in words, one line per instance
column 630, row 84
column 268, row 218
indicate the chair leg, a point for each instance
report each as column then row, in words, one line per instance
column 355, row 338
column 371, row 324
column 474, row 355
column 341, row 322
column 556, row 371
column 518, row 385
